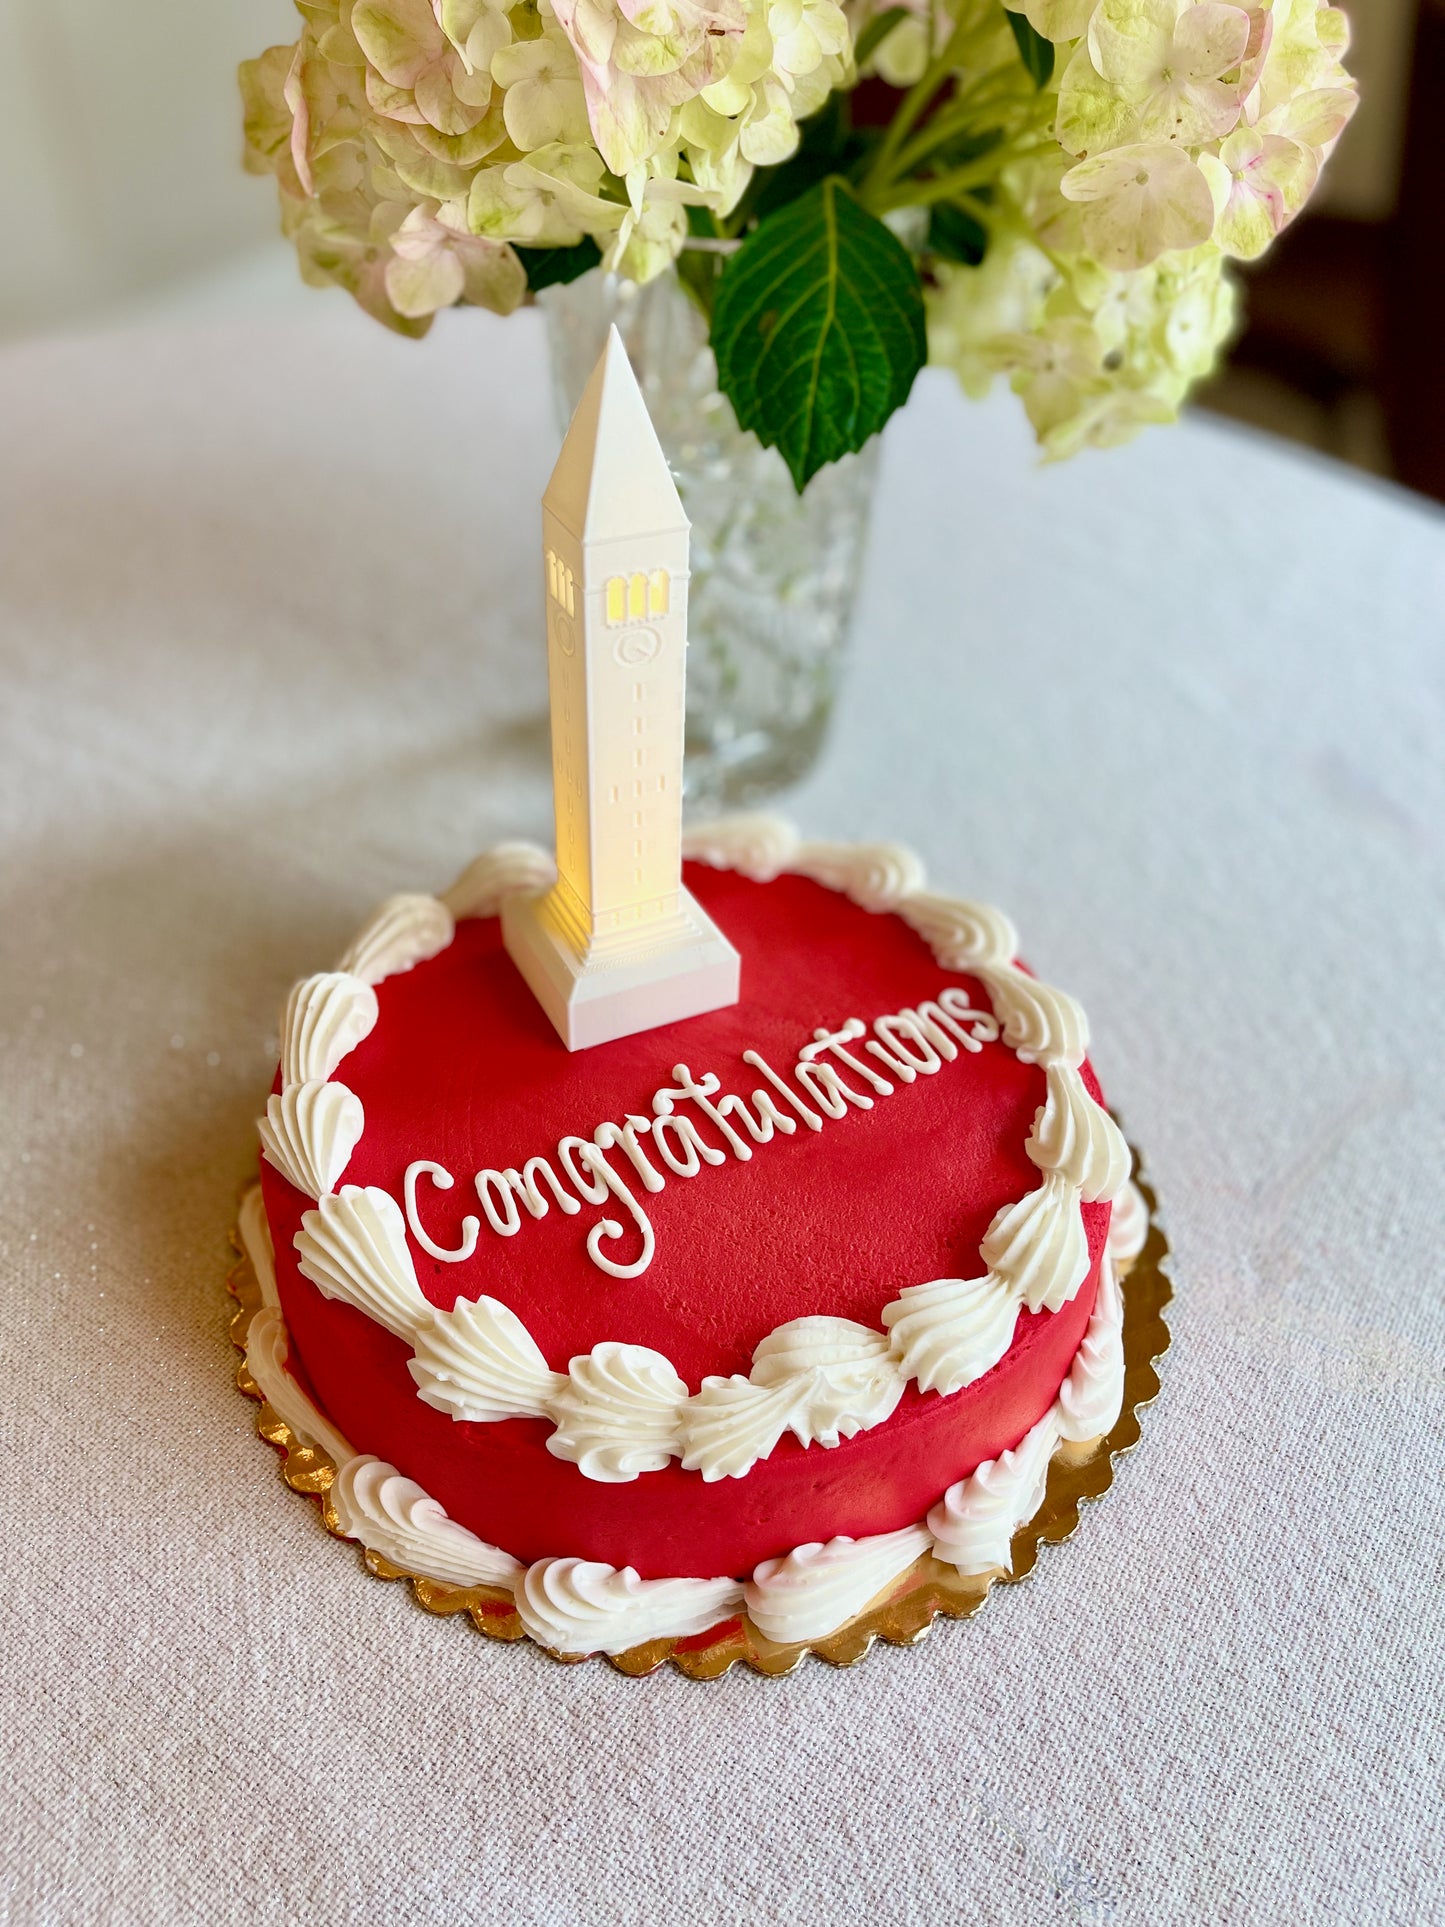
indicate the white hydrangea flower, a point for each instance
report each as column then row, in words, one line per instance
column 1093, row 353
column 1252, row 98
column 635, row 78
column 1168, row 61
column 654, row 226
column 414, row 142
column 414, row 73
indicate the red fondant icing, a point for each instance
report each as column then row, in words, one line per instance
column 463, row 1068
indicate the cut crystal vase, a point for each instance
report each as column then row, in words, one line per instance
column 774, row 574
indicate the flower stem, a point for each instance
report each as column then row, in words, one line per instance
column 915, row 102
column 946, row 187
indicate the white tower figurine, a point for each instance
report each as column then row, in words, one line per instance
column 617, row 945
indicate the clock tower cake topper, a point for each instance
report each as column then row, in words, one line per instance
column 668, row 1294
column 617, row 944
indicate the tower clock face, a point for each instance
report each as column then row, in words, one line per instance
column 636, row 646
column 562, row 631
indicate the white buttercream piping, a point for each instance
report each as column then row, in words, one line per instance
column 1077, row 1138
column 506, row 870
column 614, row 1423
column 353, row 1247
column 403, row 932
column 479, row 1362
column 579, row 1606
column 1129, row 1225
column 948, row 1333
column 267, row 1349
column 876, row 876
column 618, row 1413
column 1038, row 1246
column 326, row 1017
column 392, row 1515
column 255, row 1231
column 974, row 1522
column 1092, row 1396
column 758, row 847
column 819, row 1588
column 309, row 1133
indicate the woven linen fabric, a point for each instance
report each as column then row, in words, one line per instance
column 270, row 615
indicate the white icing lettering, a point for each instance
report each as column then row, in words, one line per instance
column 900, row 1066
column 823, row 1082
column 805, row 1111
column 974, row 1028
column 834, row 1040
column 607, row 1135
column 498, row 1202
column 768, row 1120
column 443, row 1180
column 908, row 1038
column 702, row 1094
column 524, row 1183
column 694, row 1151
column 595, row 1188
column 908, row 1043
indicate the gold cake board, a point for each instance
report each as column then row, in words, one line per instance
column 902, row 1615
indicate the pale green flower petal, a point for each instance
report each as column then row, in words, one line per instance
column 1166, row 58
column 422, row 286
column 1058, row 19
column 1141, row 202
column 400, row 38
column 1259, row 183
column 544, row 100
column 267, row 117
column 1093, row 115
column 392, row 103
column 1317, row 118
column 419, row 170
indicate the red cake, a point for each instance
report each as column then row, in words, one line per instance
column 748, row 1313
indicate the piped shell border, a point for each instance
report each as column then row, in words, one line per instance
column 902, row 1616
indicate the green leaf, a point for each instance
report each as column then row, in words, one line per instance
column 1035, row 52
column 818, row 328
column 549, row 267
column 957, row 235
column 876, row 32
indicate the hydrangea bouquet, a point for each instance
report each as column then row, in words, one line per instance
column 847, row 190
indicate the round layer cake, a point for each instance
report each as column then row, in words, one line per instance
column 750, row 1310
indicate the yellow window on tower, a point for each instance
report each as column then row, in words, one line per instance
column 616, row 598
column 637, row 596
column 657, row 593
column 571, row 601
column 551, row 573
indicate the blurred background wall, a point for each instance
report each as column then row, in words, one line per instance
column 120, row 185
column 120, row 149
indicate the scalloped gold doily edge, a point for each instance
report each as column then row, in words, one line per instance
column 903, row 1616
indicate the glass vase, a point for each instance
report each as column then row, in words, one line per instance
column 774, row 574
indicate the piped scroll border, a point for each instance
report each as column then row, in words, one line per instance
column 926, row 1592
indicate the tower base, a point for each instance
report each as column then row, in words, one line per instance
column 695, row 969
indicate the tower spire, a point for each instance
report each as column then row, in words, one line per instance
column 617, row 945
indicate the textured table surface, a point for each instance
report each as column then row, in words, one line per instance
column 269, row 620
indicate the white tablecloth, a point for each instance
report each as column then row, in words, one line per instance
column 270, row 613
